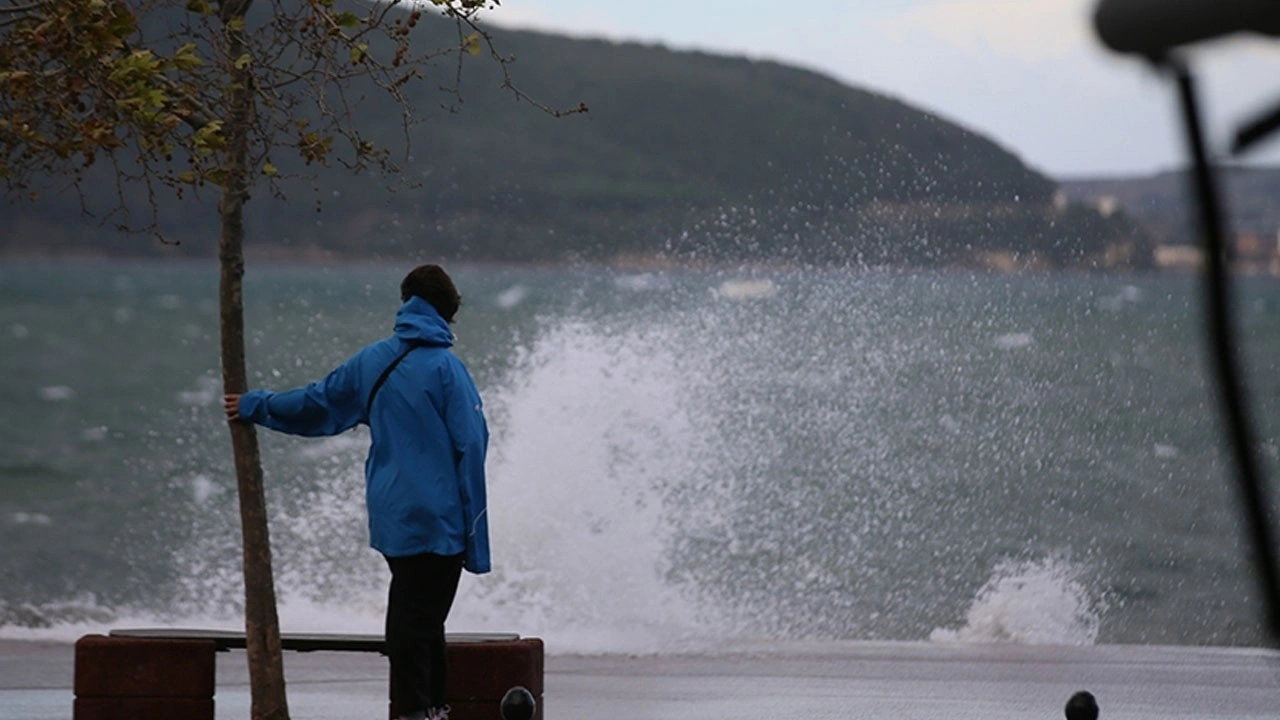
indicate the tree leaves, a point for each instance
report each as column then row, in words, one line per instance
column 186, row 59
column 314, row 147
column 209, row 139
column 53, row 60
column 80, row 83
column 347, row 20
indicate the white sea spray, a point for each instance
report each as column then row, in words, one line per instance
column 1032, row 602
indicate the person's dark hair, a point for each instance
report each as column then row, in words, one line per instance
column 1082, row 706
column 433, row 284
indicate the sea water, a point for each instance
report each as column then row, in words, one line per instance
column 679, row 459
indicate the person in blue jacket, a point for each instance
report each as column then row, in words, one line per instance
column 424, row 475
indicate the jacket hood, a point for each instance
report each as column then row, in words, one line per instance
column 418, row 321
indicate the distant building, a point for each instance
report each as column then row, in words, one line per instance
column 1250, row 253
column 1179, row 257
column 1249, row 246
column 1255, row 253
column 1106, row 205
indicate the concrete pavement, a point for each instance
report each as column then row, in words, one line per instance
column 791, row 680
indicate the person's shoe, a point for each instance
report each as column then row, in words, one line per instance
column 439, row 713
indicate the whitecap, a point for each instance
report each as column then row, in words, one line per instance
column 34, row 518
column 19, row 331
column 746, row 289
column 640, row 282
column 208, row 390
column 57, row 393
column 1165, row 452
column 169, row 302
column 512, row 296
column 94, row 434
column 1013, row 341
column 1129, row 294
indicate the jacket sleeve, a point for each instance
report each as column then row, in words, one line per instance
column 326, row 407
column 464, row 417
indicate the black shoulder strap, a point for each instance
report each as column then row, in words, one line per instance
column 377, row 385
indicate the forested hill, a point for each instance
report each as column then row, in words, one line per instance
column 682, row 154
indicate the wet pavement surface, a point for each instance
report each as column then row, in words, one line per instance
column 799, row 681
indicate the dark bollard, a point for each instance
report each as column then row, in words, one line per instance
column 517, row 704
column 1082, row 706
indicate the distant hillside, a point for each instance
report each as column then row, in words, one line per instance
column 682, row 155
column 1163, row 204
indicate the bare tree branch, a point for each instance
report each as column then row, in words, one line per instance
column 24, row 9
column 508, row 83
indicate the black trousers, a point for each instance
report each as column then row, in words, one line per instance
column 422, row 591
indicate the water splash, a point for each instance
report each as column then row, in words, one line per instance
column 590, row 430
column 590, row 434
column 1032, row 602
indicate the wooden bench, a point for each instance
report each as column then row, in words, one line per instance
column 169, row 672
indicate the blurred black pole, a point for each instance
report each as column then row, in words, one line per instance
column 1222, row 347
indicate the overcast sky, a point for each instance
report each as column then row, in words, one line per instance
column 1027, row 73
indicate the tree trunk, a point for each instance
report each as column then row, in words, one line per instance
column 261, row 624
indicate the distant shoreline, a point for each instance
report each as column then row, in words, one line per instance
column 998, row 263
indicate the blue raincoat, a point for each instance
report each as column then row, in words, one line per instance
column 424, row 476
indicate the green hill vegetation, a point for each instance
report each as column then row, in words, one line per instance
column 683, row 156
